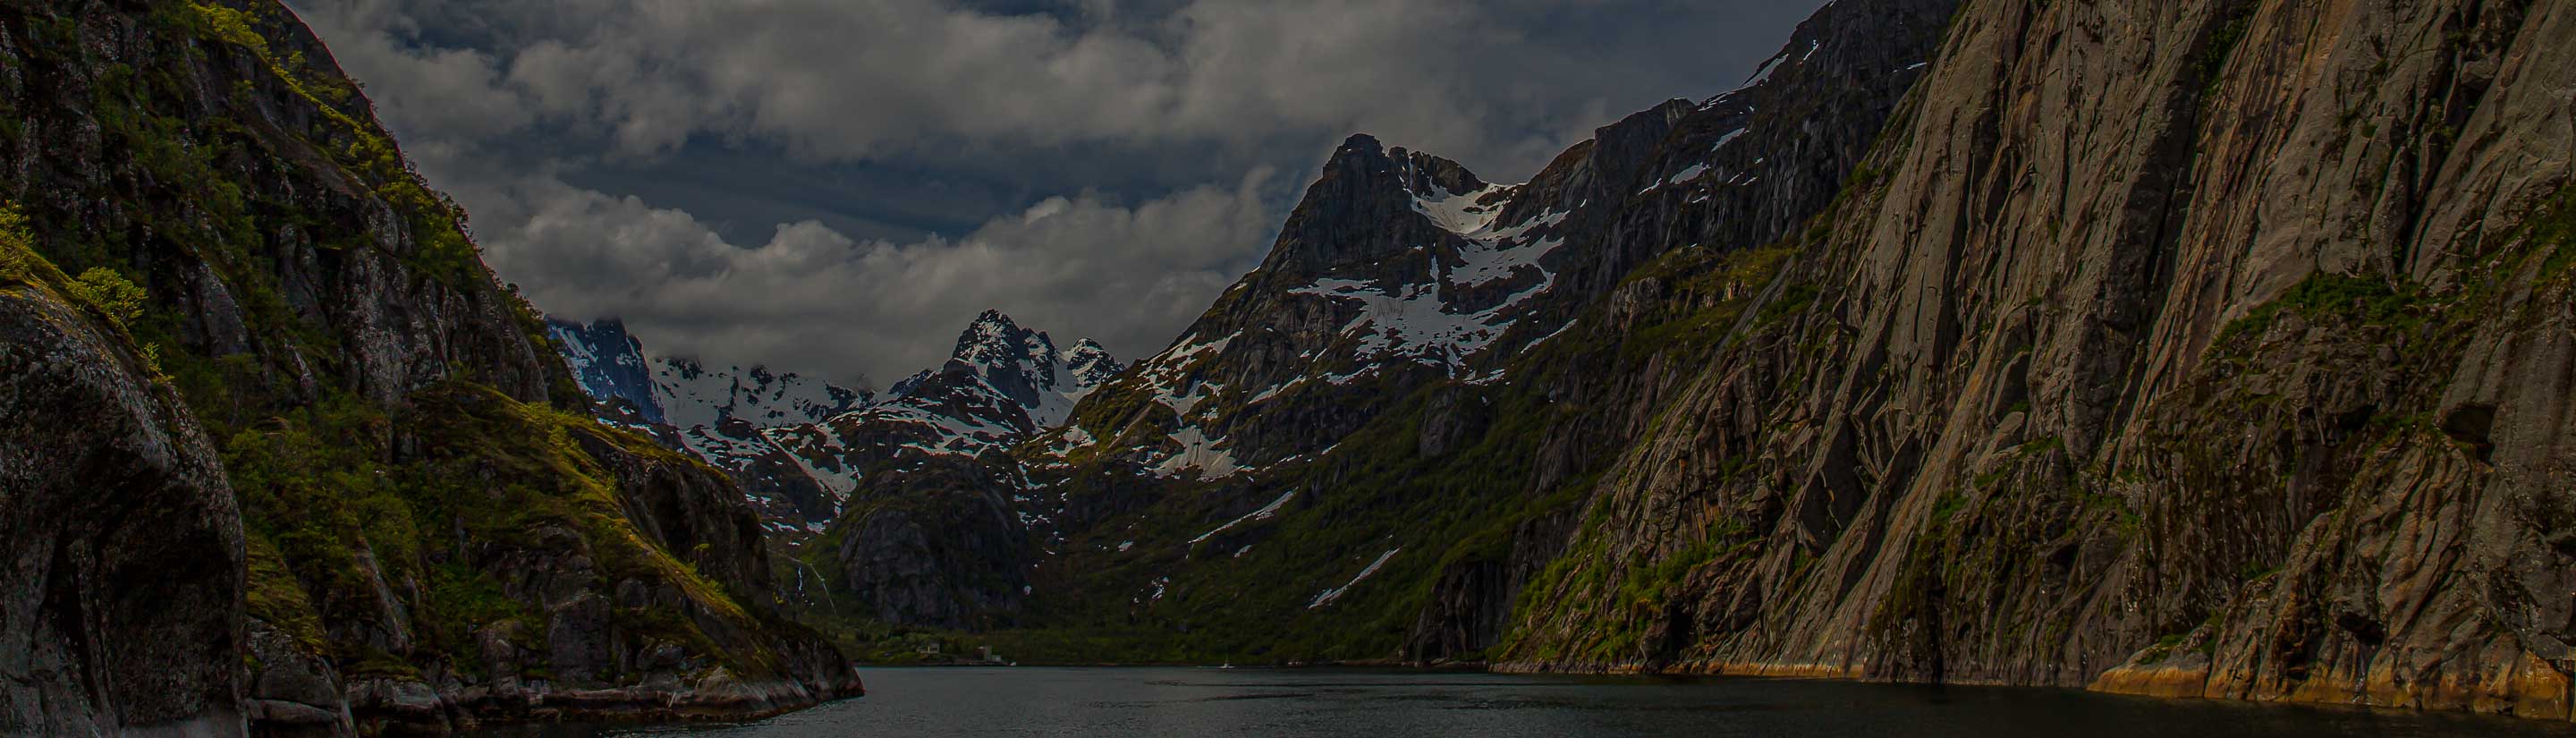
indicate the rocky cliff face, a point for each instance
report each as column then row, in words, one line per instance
column 366, row 501
column 2187, row 348
column 123, row 547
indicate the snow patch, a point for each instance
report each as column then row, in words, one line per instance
column 1461, row 214
column 1329, row 595
column 1764, row 74
column 1264, row 513
column 1198, row 452
column 1413, row 320
column 835, row 483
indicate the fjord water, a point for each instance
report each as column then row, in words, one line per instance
column 1177, row 703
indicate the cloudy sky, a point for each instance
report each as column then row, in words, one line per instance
column 837, row 186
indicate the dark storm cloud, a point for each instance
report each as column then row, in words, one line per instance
column 838, row 185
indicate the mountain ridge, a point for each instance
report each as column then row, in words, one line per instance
column 1393, row 359
column 800, row 451
column 1956, row 401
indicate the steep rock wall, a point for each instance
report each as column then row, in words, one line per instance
column 120, row 541
column 388, row 518
column 2194, row 348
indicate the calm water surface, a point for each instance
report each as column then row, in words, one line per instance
column 1158, row 703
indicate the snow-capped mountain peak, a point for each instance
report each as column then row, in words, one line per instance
column 723, row 414
column 1089, row 365
column 1003, row 385
column 1019, row 362
column 1023, row 366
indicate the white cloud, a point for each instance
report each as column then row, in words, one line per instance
column 886, row 309
column 840, row 80
column 499, row 101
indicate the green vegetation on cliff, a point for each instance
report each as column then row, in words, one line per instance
column 499, row 479
column 423, row 494
column 1443, row 478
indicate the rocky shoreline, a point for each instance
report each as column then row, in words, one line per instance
column 389, row 706
column 2185, row 676
column 297, row 695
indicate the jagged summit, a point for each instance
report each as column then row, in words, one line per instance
column 1090, row 365
column 1002, row 384
column 1018, row 362
column 1023, row 366
column 993, row 333
column 1369, row 160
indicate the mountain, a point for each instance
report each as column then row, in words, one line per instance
column 933, row 532
column 2205, row 348
column 1024, row 367
column 800, row 448
column 1001, row 385
column 722, row 415
column 282, row 456
column 1401, row 270
column 693, row 395
column 1417, row 367
column 2194, row 348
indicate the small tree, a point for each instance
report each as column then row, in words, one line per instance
column 111, row 293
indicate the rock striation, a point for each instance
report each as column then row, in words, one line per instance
column 2191, row 349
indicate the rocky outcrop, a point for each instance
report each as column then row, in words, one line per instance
column 120, row 547
column 583, row 573
column 2189, row 348
column 932, row 546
